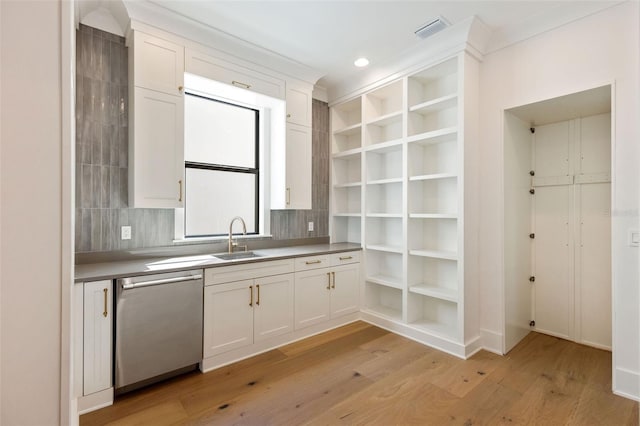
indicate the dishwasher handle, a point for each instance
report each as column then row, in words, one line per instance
column 131, row 286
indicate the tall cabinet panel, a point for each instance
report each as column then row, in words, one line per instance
column 401, row 167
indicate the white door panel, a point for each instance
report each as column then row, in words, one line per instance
column 552, row 150
column 553, row 253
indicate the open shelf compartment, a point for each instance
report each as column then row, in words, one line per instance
column 383, row 232
column 435, row 197
column 384, row 268
column 383, row 103
column 383, row 300
column 434, row 83
column 384, row 198
column 436, row 278
column 433, row 236
column 347, row 200
column 347, row 170
column 384, row 163
column 347, row 229
column 433, row 315
column 433, row 156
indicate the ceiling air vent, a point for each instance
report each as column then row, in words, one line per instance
column 431, row 27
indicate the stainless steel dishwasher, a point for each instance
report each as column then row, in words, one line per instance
column 158, row 327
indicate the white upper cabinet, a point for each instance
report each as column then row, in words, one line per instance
column 297, row 189
column 298, row 104
column 156, row 128
column 158, row 64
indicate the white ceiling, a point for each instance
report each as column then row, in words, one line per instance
column 329, row 35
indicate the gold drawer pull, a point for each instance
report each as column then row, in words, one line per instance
column 180, row 190
column 241, row 84
column 258, row 288
column 313, row 262
column 346, row 257
column 328, row 280
column 333, row 276
column 251, row 295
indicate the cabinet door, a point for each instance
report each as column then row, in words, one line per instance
column 228, row 317
column 298, row 168
column 157, row 64
column 344, row 289
column 97, row 336
column 273, row 308
column 298, row 104
column 236, row 75
column 312, row 296
column 156, row 150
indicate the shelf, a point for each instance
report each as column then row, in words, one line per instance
column 347, row 215
column 355, row 152
column 384, row 181
column 385, row 280
column 440, row 103
column 383, row 311
column 383, row 300
column 441, row 293
column 433, row 176
column 437, row 254
column 434, row 136
column 433, row 314
column 385, row 120
column 433, row 216
column 385, row 147
column 349, row 130
column 346, row 228
column 385, row 215
column 348, row 185
column 384, row 248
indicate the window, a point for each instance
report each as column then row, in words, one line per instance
column 222, row 166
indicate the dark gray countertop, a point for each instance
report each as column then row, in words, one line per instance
column 129, row 268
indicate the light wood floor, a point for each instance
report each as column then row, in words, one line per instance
column 361, row 374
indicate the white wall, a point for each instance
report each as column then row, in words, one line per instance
column 591, row 52
column 30, row 212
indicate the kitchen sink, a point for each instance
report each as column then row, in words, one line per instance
column 237, row 255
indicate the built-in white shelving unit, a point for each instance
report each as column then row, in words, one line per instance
column 399, row 160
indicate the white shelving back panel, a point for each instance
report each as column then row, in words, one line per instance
column 386, row 267
column 347, row 200
column 433, row 83
column 347, row 140
column 384, row 231
column 384, row 164
column 384, row 198
column 347, row 170
column 384, row 101
column 347, row 230
column 435, row 315
column 428, row 157
column 346, row 115
column 384, row 300
column 433, row 234
column 435, row 196
column 384, row 131
column 424, row 121
column 429, row 272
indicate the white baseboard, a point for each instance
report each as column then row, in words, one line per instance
column 95, row 401
column 627, row 383
column 491, row 341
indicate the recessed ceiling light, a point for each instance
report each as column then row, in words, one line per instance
column 361, row 62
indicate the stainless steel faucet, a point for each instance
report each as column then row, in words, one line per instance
column 244, row 231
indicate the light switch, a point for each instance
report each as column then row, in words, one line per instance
column 634, row 238
column 125, row 232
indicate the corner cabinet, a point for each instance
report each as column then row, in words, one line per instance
column 156, row 122
column 404, row 164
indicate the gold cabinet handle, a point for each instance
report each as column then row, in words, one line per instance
column 288, row 196
column 258, row 289
column 288, row 115
column 181, row 89
column 180, row 190
column 241, row 84
column 104, row 312
column 313, row 262
column 328, row 280
column 251, row 295
column 333, row 276
column 346, row 257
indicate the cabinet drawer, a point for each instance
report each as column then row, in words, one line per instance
column 313, row 262
column 247, row 271
column 235, row 75
column 344, row 258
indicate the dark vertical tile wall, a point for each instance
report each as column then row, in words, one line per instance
column 102, row 142
column 102, row 151
column 288, row 224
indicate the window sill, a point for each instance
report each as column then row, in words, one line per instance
column 220, row 239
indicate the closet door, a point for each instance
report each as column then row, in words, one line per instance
column 553, row 261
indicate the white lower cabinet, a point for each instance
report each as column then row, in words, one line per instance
column 326, row 292
column 239, row 313
column 98, row 332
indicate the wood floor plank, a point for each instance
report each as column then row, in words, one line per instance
column 360, row 374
